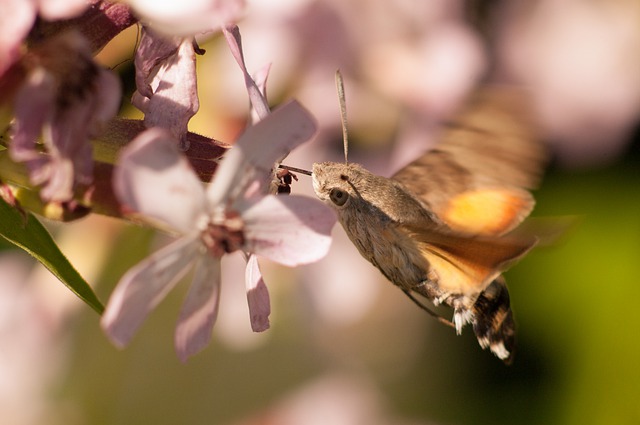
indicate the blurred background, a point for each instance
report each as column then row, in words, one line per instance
column 346, row 347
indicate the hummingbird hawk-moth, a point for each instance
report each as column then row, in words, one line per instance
column 445, row 227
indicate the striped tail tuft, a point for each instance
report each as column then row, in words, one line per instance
column 493, row 320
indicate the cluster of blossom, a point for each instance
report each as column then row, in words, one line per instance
column 54, row 92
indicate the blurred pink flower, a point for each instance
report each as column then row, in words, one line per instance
column 431, row 75
column 166, row 80
column 166, row 84
column 66, row 98
column 187, row 17
column 580, row 60
column 154, row 180
column 18, row 16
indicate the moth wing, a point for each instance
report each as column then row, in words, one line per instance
column 476, row 179
column 490, row 211
column 467, row 265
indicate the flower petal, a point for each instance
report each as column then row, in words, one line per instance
column 33, row 107
column 144, row 286
column 256, row 93
column 81, row 97
column 260, row 78
column 257, row 296
column 52, row 10
column 67, row 136
column 106, row 99
column 187, row 17
column 257, row 149
column 175, row 99
column 290, row 230
column 166, row 81
column 200, row 309
column 153, row 50
column 16, row 20
column 154, row 179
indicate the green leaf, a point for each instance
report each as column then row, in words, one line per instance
column 24, row 230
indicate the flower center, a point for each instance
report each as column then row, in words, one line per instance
column 224, row 235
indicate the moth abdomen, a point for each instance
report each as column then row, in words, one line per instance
column 493, row 322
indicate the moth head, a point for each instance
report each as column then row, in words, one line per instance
column 337, row 184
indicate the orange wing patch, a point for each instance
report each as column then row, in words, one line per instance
column 488, row 211
column 457, row 276
column 467, row 265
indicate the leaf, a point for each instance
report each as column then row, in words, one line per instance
column 25, row 231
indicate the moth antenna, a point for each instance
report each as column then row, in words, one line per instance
column 343, row 114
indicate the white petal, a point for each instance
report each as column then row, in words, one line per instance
column 256, row 151
column 166, row 82
column 255, row 88
column 144, row 286
column 16, row 20
column 108, row 92
column 52, row 10
column 154, row 179
column 187, row 17
column 257, row 296
column 199, row 310
column 290, row 230
column 260, row 79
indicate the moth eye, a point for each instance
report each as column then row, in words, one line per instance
column 338, row 196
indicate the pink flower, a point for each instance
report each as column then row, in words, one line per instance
column 65, row 98
column 18, row 16
column 166, row 62
column 166, row 81
column 187, row 17
column 256, row 90
column 579, row 59
column 155, row 181
column 273, row 183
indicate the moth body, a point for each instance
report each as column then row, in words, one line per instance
column 447, row 225
column 409, row 244
column 370, row 218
